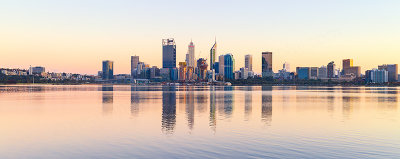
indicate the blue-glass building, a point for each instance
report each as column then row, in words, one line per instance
column 169, row 53
column 216, row 67
column 303, row 73
column 229, row 66
column 108, row 70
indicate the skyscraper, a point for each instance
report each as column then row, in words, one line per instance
column 331, row 70
column 169, row 53
column 286, row 67
column 392, row 71
column 248, row 62
column 229, row 66
column 267, row 64
column 213, row 52
column 108, row 70
column 134, row 63
column 191, row 62
column 349, row 69
column 221, row 65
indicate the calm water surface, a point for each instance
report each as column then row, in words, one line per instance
column 96, row 121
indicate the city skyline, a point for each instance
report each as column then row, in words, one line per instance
column 52, row 34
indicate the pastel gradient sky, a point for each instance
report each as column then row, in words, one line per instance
column 76, row 35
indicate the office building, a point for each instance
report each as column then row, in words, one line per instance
column 349, row 69
column 331, row 70
column 303, row 73
column 322, row 72
column 182, row 71
column 191, row 62
column 248, row 62
column 314, row 73
column 134, row 63
column 286, row 67
column 213, row 52
column 392, row 71
column 216, row 67
column 108, row 70
column 169, row 53
column 229, row 66
column 244, row 73
column 376, row 76
column 202, row 68
column 221, row 65
column 267, row 64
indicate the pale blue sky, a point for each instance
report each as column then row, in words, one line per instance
column 56, row 34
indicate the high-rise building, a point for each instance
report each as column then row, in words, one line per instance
column 303, row 73
column 267, row 64
column 244, row 73
column 392, row 71
column 286, row 67
column 169, row 53
column 221, row 65
column 248, row 62
column 213, row 52
column 314, row 73
column 376, row 76
column 229, row 66
column 37, row 70
column 191, row 62
column 349, row 69
column 347, row 63
column 322, row 72
column 202, row 67
column 108, row 70
column 134, row 63
column 182, row 71
column 331, row 70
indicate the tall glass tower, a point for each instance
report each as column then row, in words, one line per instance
column 229, row 64
column 213, row 52
column 267, row 64
column 191, row 62
column 108, row 70
column 169, row 53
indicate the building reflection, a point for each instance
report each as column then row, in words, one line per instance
column 213, row 120
column 248, row 101
column 228, row 101
column 348, row 105
column 107, row 98
column 135, row 100
column 266, row 105
column 168, row 109
column 190, row 109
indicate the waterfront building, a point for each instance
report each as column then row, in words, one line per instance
column 213, row 52
column 322, row 72
column 349, row 69
column 376, row 76
column 108, row 70
column 174, row 74
column 244, row 73
column 314, row 73
column 154, row 72
column 202, row 68
column 267, row 64
column 331, row 70
column 286, row 67
column 248, row 62
column 182, row 71
column 392, row 71
column 134, row 64
column 303, row 73
column 191, row 62
column 221, row 65
column 169, row 53
column 37, row 70
column 229, row 66
column 216, row 67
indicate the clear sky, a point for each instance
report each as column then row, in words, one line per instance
column 76, row 35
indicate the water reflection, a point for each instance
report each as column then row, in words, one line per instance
column 248, row 101
column 228, row 103
column 190, row 109
column 135, row 100
column 168, row 109
column 107, row 98
column 266, row 105
column 213, row 120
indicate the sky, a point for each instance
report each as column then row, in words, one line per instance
column 76, row 35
